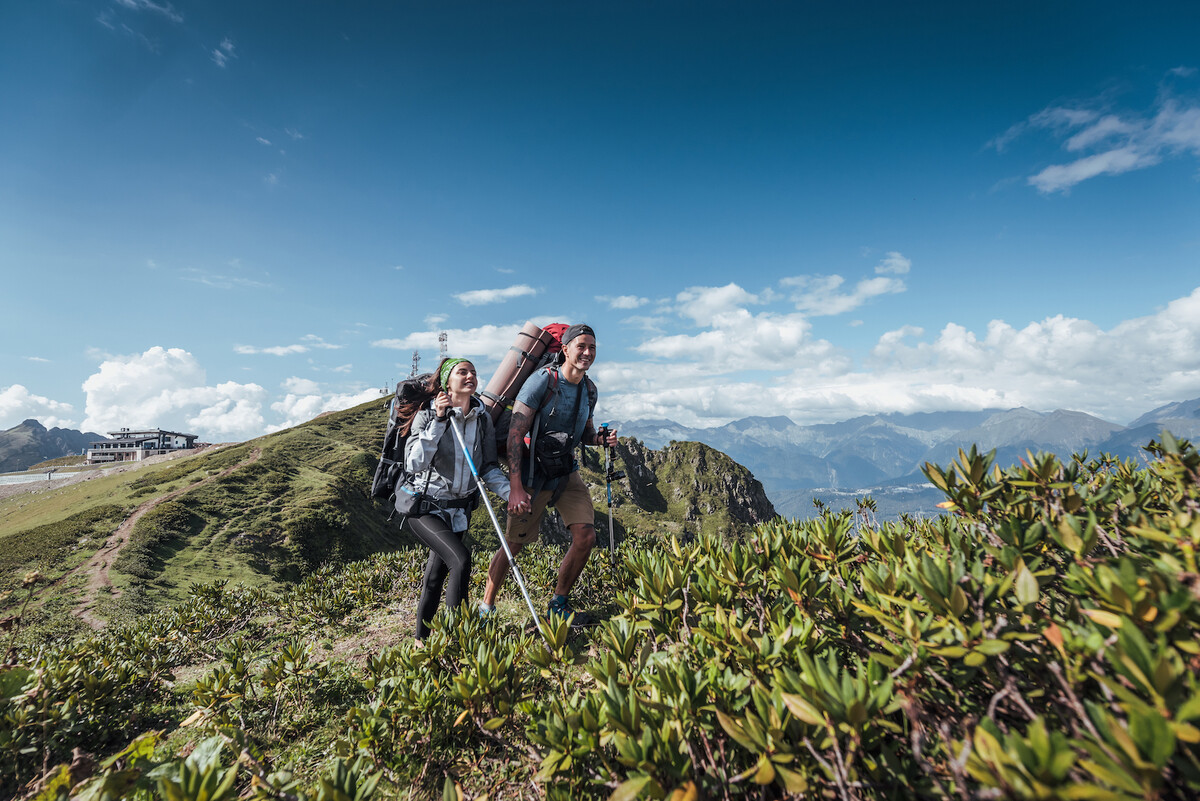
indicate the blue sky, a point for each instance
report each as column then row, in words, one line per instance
column 227, row 217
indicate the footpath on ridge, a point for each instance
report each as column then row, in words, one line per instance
column 96, row 570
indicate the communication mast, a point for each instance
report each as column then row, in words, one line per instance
column 415, row 364
column 442, row 345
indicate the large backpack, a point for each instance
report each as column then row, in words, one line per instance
column 390, row 472
column 534, row 348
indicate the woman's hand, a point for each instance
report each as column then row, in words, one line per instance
column 441, row 405
column 518, row 501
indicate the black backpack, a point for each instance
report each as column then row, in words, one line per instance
column 390, row 472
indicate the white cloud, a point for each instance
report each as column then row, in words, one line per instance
column 292, row 132
column 765, row 363
column 1112, row 143
column 822, row 295
column 893, row 264
column 307, row 343
column 219, row 280
column 274, row 350
column 302, row 386
column 297, row 408
column 623, row 301
column 37, row 359
column 164, row 9
column 1058, row 362
column 480, row 297
column 706, row 305
column 18, row 404
column 262, row 141
column 223, row 52
column 1060, row 177
column 167, row 388
column 489, row 341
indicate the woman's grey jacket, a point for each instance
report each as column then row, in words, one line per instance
column 433, row 454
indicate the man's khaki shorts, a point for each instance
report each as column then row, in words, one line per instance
column 574, row 506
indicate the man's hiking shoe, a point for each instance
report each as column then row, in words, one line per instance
column 561, row 607
column 486, row 612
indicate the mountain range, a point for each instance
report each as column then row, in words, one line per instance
column 831, row 462
column 29, row 443
column 884, row 453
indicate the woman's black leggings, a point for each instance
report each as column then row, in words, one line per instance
column 448, row 556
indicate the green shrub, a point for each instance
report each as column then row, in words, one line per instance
column 1040, row 640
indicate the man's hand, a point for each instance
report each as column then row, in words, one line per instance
column 519, row 502
column 604, row 438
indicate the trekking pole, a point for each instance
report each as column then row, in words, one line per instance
column 609, row 475
column 503, row 542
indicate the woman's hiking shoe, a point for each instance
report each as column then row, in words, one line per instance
column 485, row 611
column 561, row 607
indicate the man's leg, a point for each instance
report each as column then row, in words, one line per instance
column 498, row 572
column 575, row 506
column 519, row 532
column 583, row 539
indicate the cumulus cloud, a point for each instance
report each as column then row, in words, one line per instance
column 749, row 361
column 1107, row 142
column 300, row 407
column 1058, row 362
column 302, row 386
column 706, row 305
column 167, row 388
column 480, row 297
column 18, row 404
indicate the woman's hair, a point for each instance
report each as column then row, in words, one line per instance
column 427, row 389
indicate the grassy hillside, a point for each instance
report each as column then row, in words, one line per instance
column 268, row 512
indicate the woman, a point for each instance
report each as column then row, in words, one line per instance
column 441, row 474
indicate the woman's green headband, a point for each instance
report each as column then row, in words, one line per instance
column 444, row 373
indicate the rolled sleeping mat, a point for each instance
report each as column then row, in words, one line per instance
column 518, row 364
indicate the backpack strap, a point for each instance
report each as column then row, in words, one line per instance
column 551, row 388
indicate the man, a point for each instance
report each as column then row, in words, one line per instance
column 563, row 421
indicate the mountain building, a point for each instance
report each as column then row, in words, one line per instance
column 127, row 445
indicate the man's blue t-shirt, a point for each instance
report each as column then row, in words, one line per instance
column 556, row 416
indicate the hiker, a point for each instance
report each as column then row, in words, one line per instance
column 565, row 421
column 441, row 474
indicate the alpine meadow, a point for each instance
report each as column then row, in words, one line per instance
column 1039, row 640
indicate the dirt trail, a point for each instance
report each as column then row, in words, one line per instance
column 96, row 571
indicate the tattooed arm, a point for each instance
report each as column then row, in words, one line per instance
column 518, row 427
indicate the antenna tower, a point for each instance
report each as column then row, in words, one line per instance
column 415, row 364
column 442, row 345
